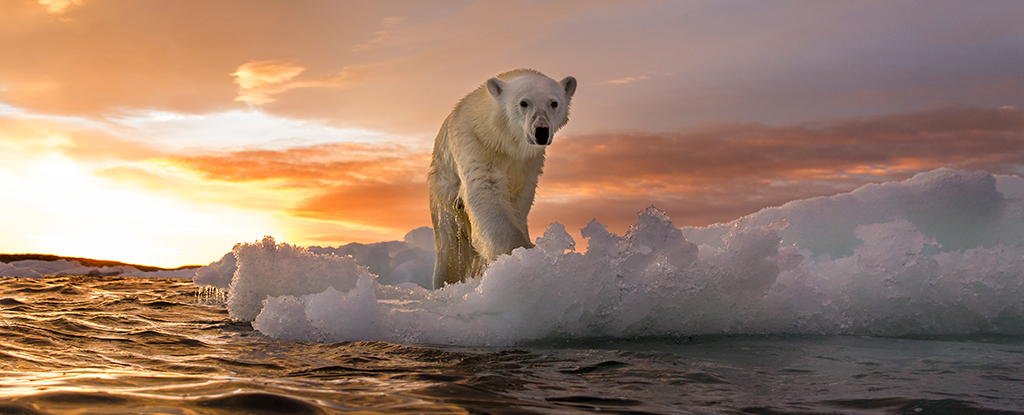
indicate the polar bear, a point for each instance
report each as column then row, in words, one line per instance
column 486, row 160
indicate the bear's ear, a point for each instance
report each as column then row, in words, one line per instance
column 496, row 86
column 569, row 84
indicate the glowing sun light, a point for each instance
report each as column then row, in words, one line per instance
column 56, row 205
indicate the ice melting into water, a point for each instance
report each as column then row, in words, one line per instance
column 939, row 253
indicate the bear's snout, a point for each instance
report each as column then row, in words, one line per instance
column 542, row 135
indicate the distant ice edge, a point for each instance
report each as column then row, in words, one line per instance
column 939, row 253
column 35, row 268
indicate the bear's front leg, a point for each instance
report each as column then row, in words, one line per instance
column 455, row 258
column 495, row 229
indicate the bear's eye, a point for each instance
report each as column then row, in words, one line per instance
column 523, row 104
column 554, row 104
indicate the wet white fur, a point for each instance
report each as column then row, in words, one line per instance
column 483, row 175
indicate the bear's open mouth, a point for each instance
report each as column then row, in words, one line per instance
column 542, row 135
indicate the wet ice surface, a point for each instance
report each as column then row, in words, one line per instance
column 941, row 253
column 129, row 345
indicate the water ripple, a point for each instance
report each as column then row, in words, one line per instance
column 72, row 345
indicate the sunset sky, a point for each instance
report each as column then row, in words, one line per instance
column 163, row 132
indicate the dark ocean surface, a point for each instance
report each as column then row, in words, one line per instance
column 82, row 345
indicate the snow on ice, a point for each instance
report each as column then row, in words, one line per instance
column 939, row 253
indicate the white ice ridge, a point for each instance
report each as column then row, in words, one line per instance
column 939, row 253
column 402, row 263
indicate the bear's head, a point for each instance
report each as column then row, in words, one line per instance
column 535, row 103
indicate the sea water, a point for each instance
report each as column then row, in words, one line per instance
column 72, row 345
column 901, row 297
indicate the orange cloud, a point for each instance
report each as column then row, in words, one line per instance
column 394, row 67
column 376, row 186
column 110, row 56
column 59, row 6
column 631, row 79
column 257, row 81
column 626, row 80
column 306, row 166
column 400, row 206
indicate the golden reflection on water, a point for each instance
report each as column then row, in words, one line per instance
column 77, row 345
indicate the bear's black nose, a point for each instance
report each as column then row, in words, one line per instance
column 542, row 135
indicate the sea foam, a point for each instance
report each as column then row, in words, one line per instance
column 939, row 253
